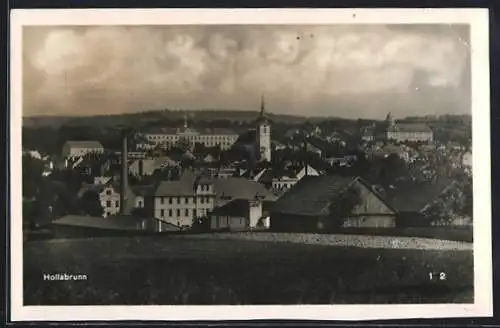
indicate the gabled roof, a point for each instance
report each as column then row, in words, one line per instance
column 312, row 194
column 236, row 207
column 410, row 127
column 84, row 144
column 415, row 196
column 241, row 188
column 185, row 186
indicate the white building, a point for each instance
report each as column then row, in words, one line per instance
column 284, row 183
column 263, row 135
column 181, row 201
column 75, row 148
column 109, row 197
column 168, row 137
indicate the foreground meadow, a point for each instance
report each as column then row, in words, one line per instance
column 223, row 269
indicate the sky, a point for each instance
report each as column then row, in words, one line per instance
column 352, row 71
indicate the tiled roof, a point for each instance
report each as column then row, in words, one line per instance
column 141, row 190
column 185, row 186
column 218, row 131
column 312, row 195
column 84, row 144
column 241, row 188
column 236, row 207
column 410, row 127
column 413, row 197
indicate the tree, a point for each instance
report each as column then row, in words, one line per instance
column 32, row 169
column 90, row 204
column 342, row 207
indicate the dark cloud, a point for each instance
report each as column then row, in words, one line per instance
column 338, row 70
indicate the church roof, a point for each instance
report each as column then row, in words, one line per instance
column 410, row 127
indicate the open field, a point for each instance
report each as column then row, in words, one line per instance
column 215, row 269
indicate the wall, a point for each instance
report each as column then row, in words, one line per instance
column 224, row 222
column 370, row 222
column 255, row 213
column 113, row 198
column 177, row 206
column 265, row 141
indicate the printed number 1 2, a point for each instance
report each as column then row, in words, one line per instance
column 442, row 275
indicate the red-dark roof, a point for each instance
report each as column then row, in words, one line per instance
column 415, row 196
column 311, row 195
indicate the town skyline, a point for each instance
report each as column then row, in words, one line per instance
column 345, row 71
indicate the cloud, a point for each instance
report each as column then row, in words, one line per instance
column 314, row 69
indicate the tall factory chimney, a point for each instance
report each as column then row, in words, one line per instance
column 124, row 174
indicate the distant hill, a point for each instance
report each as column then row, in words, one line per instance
column 161, row 117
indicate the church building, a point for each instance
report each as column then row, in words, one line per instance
column 263, row 134
column 407, row 131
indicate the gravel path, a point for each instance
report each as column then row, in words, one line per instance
column 362, row 241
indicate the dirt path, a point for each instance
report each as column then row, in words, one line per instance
column 362, row 241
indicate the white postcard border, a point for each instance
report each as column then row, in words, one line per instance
column 478, row 20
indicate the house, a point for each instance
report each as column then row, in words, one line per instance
column 284, row 183
column 140, row 194
column 467, row 161
column 232, row 188
column 407, row 131
column 168, row 137
column 238, row 214
column 102, row 180
column 331, row 202
column 416, row 202
column 180, row 202
column 76, row 148
column 33, row 153
column 147, row 166
column 109, row 197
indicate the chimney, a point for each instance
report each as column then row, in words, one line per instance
column 305, row 158
column 124, row 175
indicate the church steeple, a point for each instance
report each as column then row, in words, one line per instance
column 262, row 107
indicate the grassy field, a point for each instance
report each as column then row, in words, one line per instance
column 189, row 270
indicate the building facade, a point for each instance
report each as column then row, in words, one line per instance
column 74, row 148
column 182, row 201
column 167, row 137
column 263, row 135
column 408, row 131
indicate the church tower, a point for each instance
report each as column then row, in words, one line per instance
column 263, row 134
column 389, row 120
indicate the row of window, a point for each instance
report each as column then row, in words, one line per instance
column 186, row 200
column 187, row 212
column 109, row 203
column 195, row 138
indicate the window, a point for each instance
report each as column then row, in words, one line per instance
column 178, row 200
column 178, row 212
column 117, row 204
column 108, row 192
column 186, row 212
column 162, row 213
column 194, row 212
column 170, row 212
column 170, row 200
column 140, row 203
column 108, row 203
column 161, row 200
column 186, row 200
